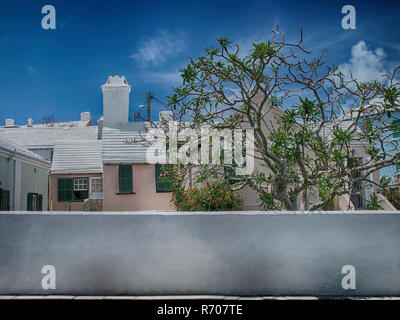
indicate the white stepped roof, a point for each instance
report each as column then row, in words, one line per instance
column 77, row 156
column 375, row 106
column 38, row 137
column 66, row 124
column 115, row 146
column 328, row 128
column 10, row 146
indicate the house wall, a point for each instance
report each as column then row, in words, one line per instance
column 251, row 198
column 144, row 186
column 56, row 205
column 389, row 171
column 33, row 179
column 21, row 176
column 7, row 169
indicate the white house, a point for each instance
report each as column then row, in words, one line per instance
column 23, row 178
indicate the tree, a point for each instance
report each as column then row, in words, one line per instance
column 49, row 120
column 325, row 116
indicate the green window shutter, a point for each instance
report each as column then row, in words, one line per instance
column 161, row 186
column 4, row 200
column 396, row 131
column 230, row 173
column 125, row 179
column 29, row 202
column 39, row 202
column 65, row 189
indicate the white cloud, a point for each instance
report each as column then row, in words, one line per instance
column 365, row 64
column 158, row 48
column 162, row 77
column 32, row 70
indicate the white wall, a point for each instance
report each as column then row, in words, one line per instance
column 7, row 176
column 33, row 179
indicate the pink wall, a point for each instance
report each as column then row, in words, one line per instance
column 54, row 205
column 144, row 185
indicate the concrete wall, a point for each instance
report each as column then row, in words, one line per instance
column 144, row 187
column 247, row 253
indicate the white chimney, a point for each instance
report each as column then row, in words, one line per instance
column 166, row 116
column 9, row 122
column 86, row 116
column 30, row 122
column 100, row 129
column 116, row 100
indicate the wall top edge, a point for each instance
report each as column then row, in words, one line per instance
column 197, row 213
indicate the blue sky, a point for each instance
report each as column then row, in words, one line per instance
column 60, row 71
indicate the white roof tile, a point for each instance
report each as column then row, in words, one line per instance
column 10, row 146
column 66, row 124
column 77, row 156
column 38, row 137
column 116, row 150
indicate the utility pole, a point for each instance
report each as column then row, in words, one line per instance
column 149, row 97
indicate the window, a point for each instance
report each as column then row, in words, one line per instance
column 356, row 196
column 73, row 189
column 161, row 186
column 80, row 184
column 96, row 188
column 81, row 189
column 125, row 179
column 34, row 202
column 65, row 189
column 396, row 128
column 4, row 200
column 230, row 173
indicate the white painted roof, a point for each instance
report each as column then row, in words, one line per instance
column 42, row 138
column 373, row 107
column 10, row 146
column 66, row 124
column 116, row 150
column 77, row 156
column 328, row 128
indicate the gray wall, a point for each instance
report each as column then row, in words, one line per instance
column 185, row 253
